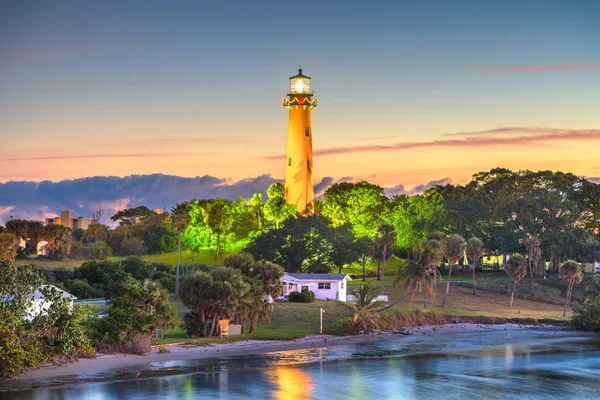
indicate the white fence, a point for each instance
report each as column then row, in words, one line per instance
column 382, row 298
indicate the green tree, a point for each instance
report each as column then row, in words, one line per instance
column 417, row 216
column 591, row 253
column 386, row 237
column 97, row 232
column 258, row 210
column 453, row 248
column 420, row 269
column 516, row 268
column 180, row 218
column 572, row 272
column 132, row 216
column 474, row 251
column 276, row 208
column 57, row 238
column 219, row 219
column 365, row 315
column 361, row 204
column 8, row 246
column 587, row 317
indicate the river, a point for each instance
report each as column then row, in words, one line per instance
column 494, row 364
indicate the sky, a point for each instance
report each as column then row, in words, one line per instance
column 409, row 92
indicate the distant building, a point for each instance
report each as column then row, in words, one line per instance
column 68, row 220
column 38, row 305
column 160, row 210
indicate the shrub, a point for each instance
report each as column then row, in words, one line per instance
column 341, row 328
column 587, row 317
column 62, row 274
column 193, row 326
column 306, row 296
column 79, row 288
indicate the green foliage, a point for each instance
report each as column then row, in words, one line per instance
column 587, row 317
column 96, row 232
column 365, row 316
column 305, row 296
column 361, row 204
column 8, row 246
column 453, row 247
column 26, row 230
column 342, row 327
column 97, row 250
column 79, row 288
column 417, row 216
column 516, row 267
column 57, row 238
column 131, row 216
column 219, row 219
column 135, row 312
column 27, row 340
column 276, row 208
column 305, row 244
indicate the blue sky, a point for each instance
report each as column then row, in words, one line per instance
column 194, row 88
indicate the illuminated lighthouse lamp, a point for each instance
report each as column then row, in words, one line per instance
column 300, row 95
column 300, row 84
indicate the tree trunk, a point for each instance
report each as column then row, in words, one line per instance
column 178, row 262
column 530, row 263
column 447, row 285
column 243, row 322
column 378, row 266
column 383, row 269
column 218, row 244
column 512, row 295
column 363, row 265
column 425, row 301
column 253, row 324
column 473, row 279
column 434, row 286
column 213, row 326
column 566, row 300
column 340, row 269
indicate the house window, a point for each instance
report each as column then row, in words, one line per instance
column 324, row 285
column 341, row 285
column 290, row 161
column 306, row 131
column 291, row 285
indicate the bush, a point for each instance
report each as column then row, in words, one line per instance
column 98, row 250
column 587, row 317
column 341, row 328
column 62, row 274
column 306, row 296
column 132, row 246
column 193, row 326
column 79, row 288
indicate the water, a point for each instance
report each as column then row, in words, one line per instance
column 526, row 364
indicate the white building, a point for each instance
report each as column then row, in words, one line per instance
column 38, row 303
column 324, row 286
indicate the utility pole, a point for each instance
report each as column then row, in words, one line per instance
column 321, row 321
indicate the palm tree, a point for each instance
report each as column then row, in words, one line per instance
column 180, row 219
column 219, row 219
column 591, row 251
column 453, row 247
column 386, row 236
column 421, row 269
column 258, row 209
column 8, row 246
column 572, row 272
column 155, row 301
column 474, row 253
column 194, row 293
column 365, row 315
column 56, row 236
column 516, row 268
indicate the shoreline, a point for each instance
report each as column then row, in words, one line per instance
column 111, row 366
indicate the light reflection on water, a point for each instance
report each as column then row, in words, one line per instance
column 513, row 365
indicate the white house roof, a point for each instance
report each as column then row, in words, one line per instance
column 37, row 295
column 303, row 278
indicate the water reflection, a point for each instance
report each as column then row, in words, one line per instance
column 290, row 383
column 494, row 365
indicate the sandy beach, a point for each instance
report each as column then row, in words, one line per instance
column 107, row 365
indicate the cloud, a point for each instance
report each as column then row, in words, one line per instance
column 595, row 179
column 395, row 190
column 472, row 140
column 377, row 137
column 528, row 131
column 422, row 188
column 322, row 186
column 534, row 68
column 117, row 155
column 37, row 200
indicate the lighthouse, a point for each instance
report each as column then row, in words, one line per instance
column 299, row 189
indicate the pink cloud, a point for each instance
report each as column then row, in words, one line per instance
column 534, row 68
column 467, row 142
column 124, row 155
